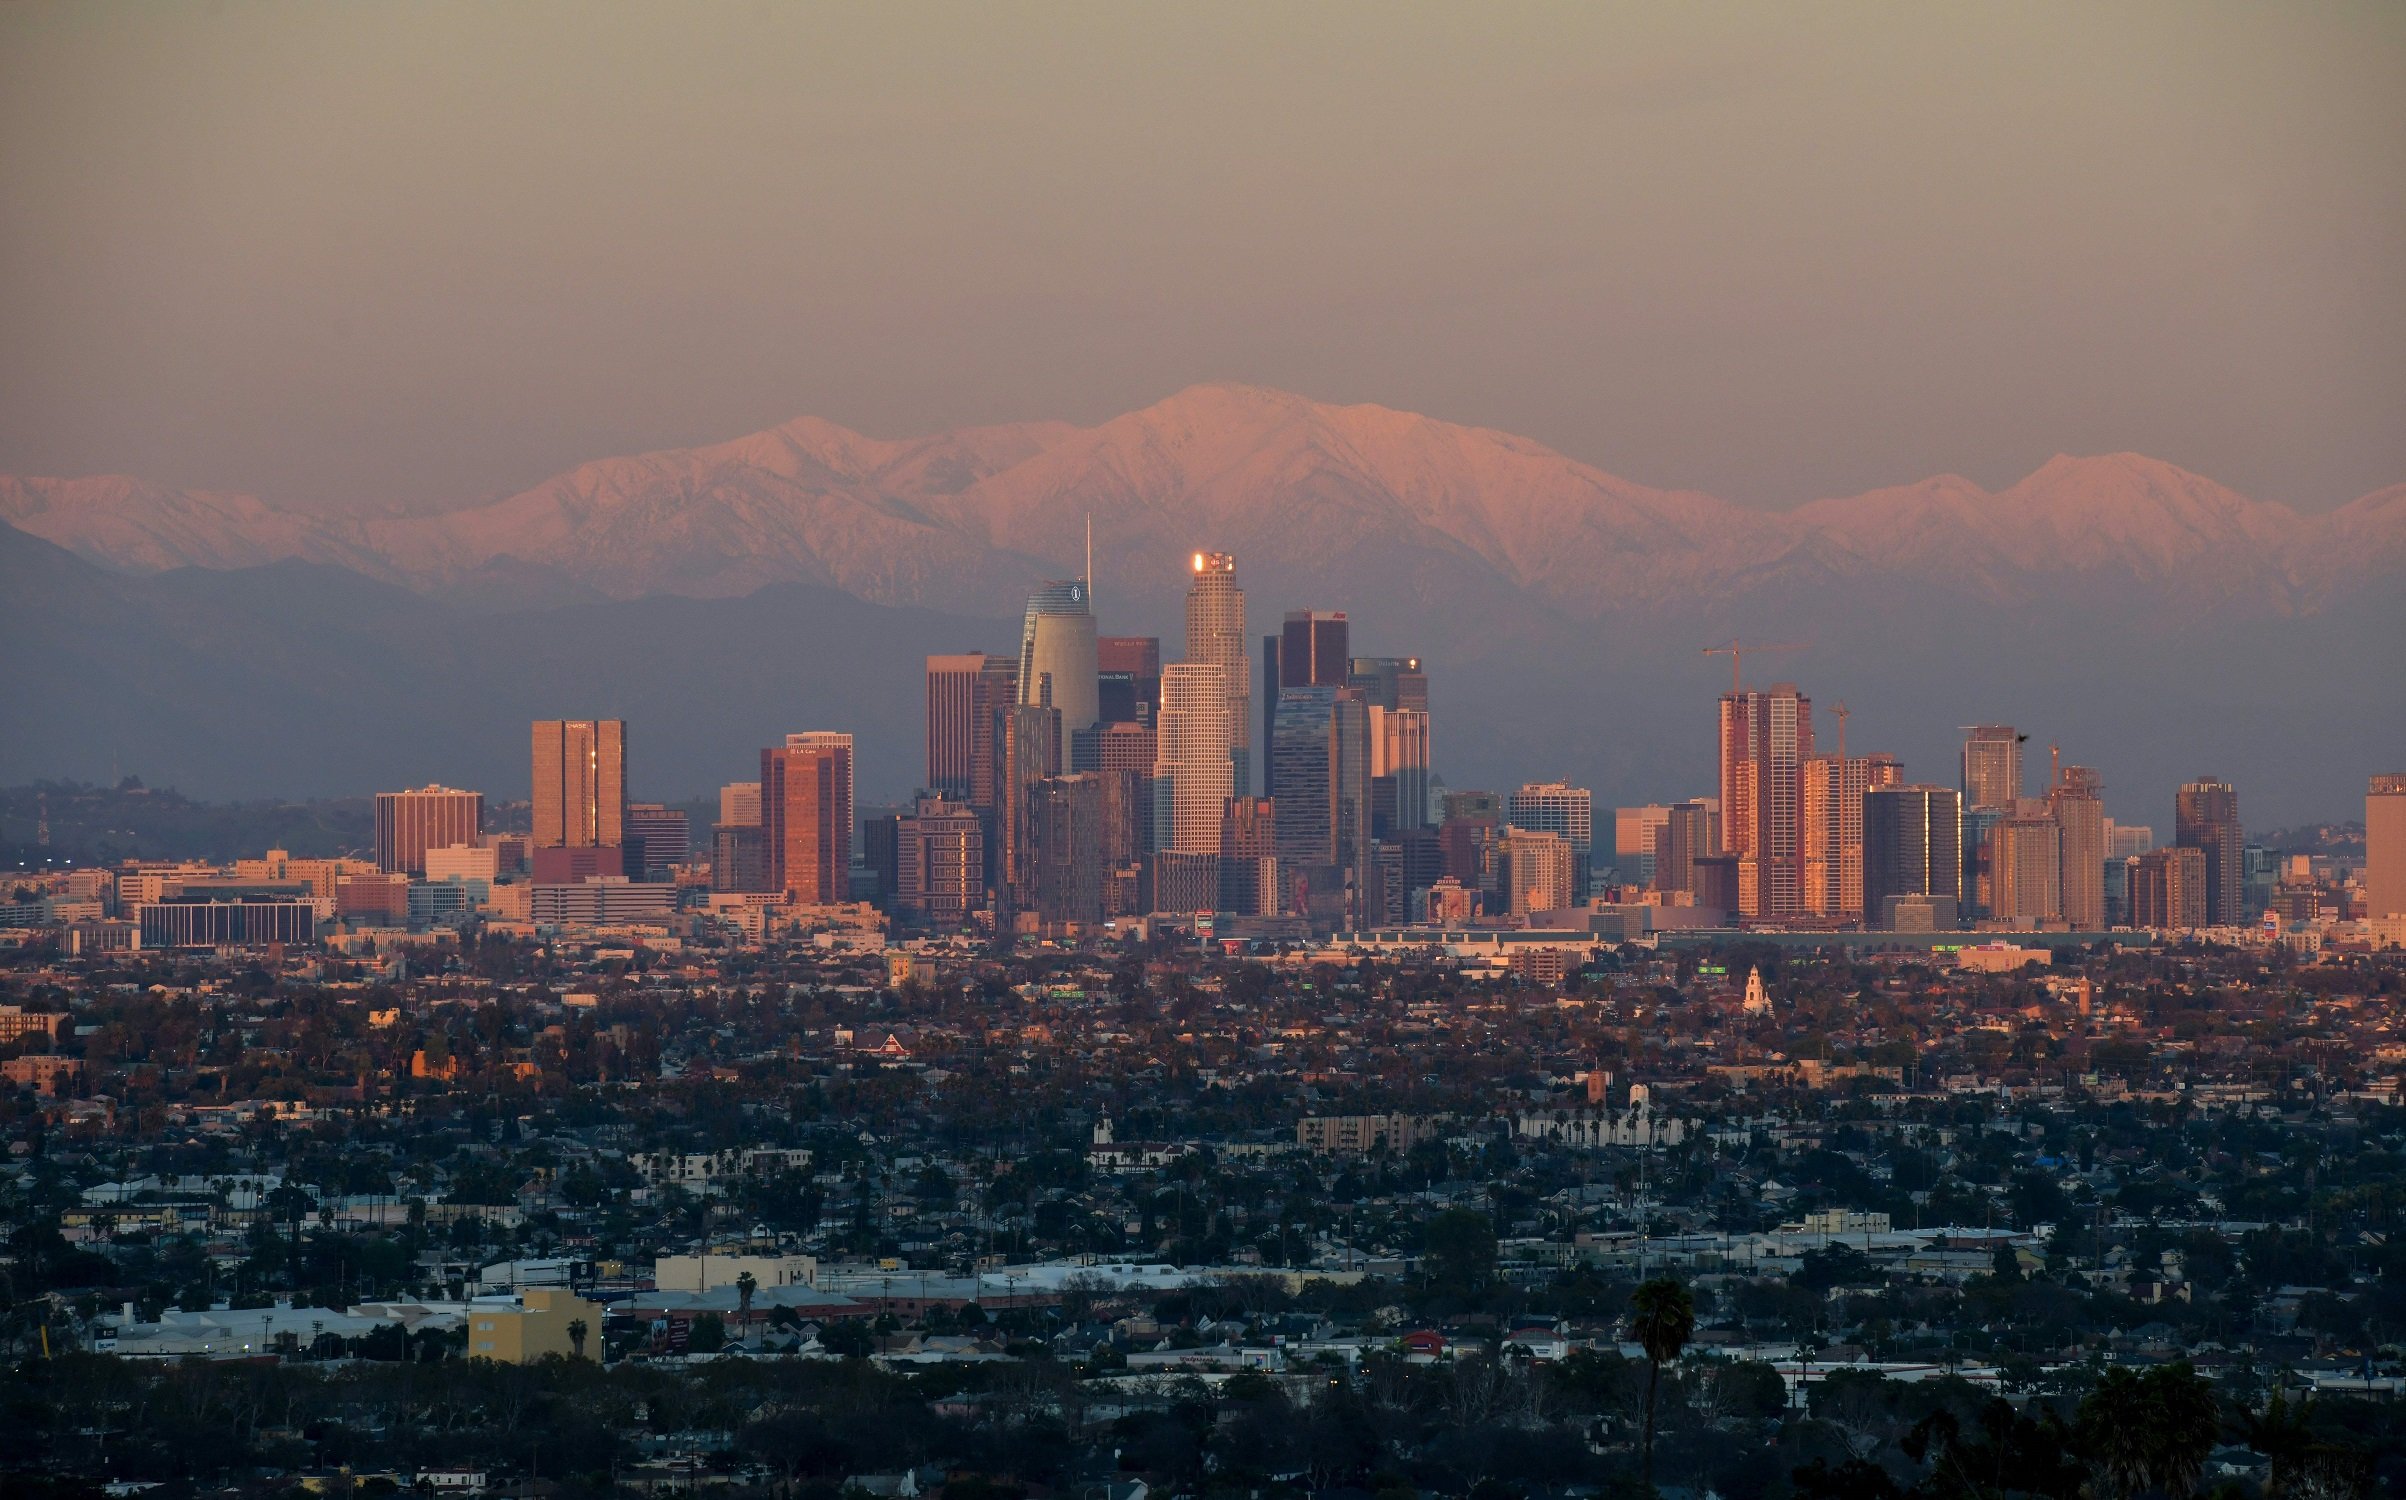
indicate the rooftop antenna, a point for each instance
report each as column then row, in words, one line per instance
column 1090, row 562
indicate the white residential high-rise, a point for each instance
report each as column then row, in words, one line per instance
column 1556, row 807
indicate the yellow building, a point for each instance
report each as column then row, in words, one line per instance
column 539, row 1325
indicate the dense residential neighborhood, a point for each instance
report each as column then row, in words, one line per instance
column 1157, row 1217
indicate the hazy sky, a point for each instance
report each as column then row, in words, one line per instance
column 420, row 254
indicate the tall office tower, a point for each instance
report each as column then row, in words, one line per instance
column 1738, row 712
column 1249, row 858
column 580, row 777
column 1390, row 681
column 881, row 855
column 1129, row 749
column 2125, row 840
column 1119, row 746
column 1399, row 769
column 1466, row 839
column 1912, row 847
column 2169, row 889
column 739, row 804
column 1635, row 830
column 432, row 817
column 2078, row 802
column 806, row 822
column 1058, row 646
column 1033, row 751
column 1129, row 683
column 1685, row 837
column 1067, row 846
column 1537, row 870
column 1193, row 774
column 1765, row 739
column 2026, row 869
column 997, row 696
column 1979, row 856
column 1831, row 814
column 1472, row 804
column 2206, row 816
column 1320, row 761
column 955, row 702
column 2385, row 847
column 738, row 853
column 664, row 834
column 1215, row 635
column 834, row 739
column 939, row 862
column 739, row 857
column 1559, row 808
column 1308, row 651
column 1992, row 765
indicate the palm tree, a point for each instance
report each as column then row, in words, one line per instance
column 576, row 1336
column 1662, row 1315
column 745, row 1285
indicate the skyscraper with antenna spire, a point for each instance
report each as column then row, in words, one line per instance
column 1215, row 635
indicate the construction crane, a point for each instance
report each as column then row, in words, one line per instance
column 1736, row 652
column 1840, row 710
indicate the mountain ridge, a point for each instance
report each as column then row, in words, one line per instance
column 974, row 515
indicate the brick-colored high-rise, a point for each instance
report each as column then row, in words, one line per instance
column 806, row 823
column 958, row 697
column 430, row 817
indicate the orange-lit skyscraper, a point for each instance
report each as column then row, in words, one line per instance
column 835, row 739
column 1215, row 636
column 1832, row 815
column 1992, row 765
column 2026, row 865
column 580, row 783
column 806, row 824
column 954, row 703
column 2078, row 802
column 2385, row 847
column 1765, row 740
